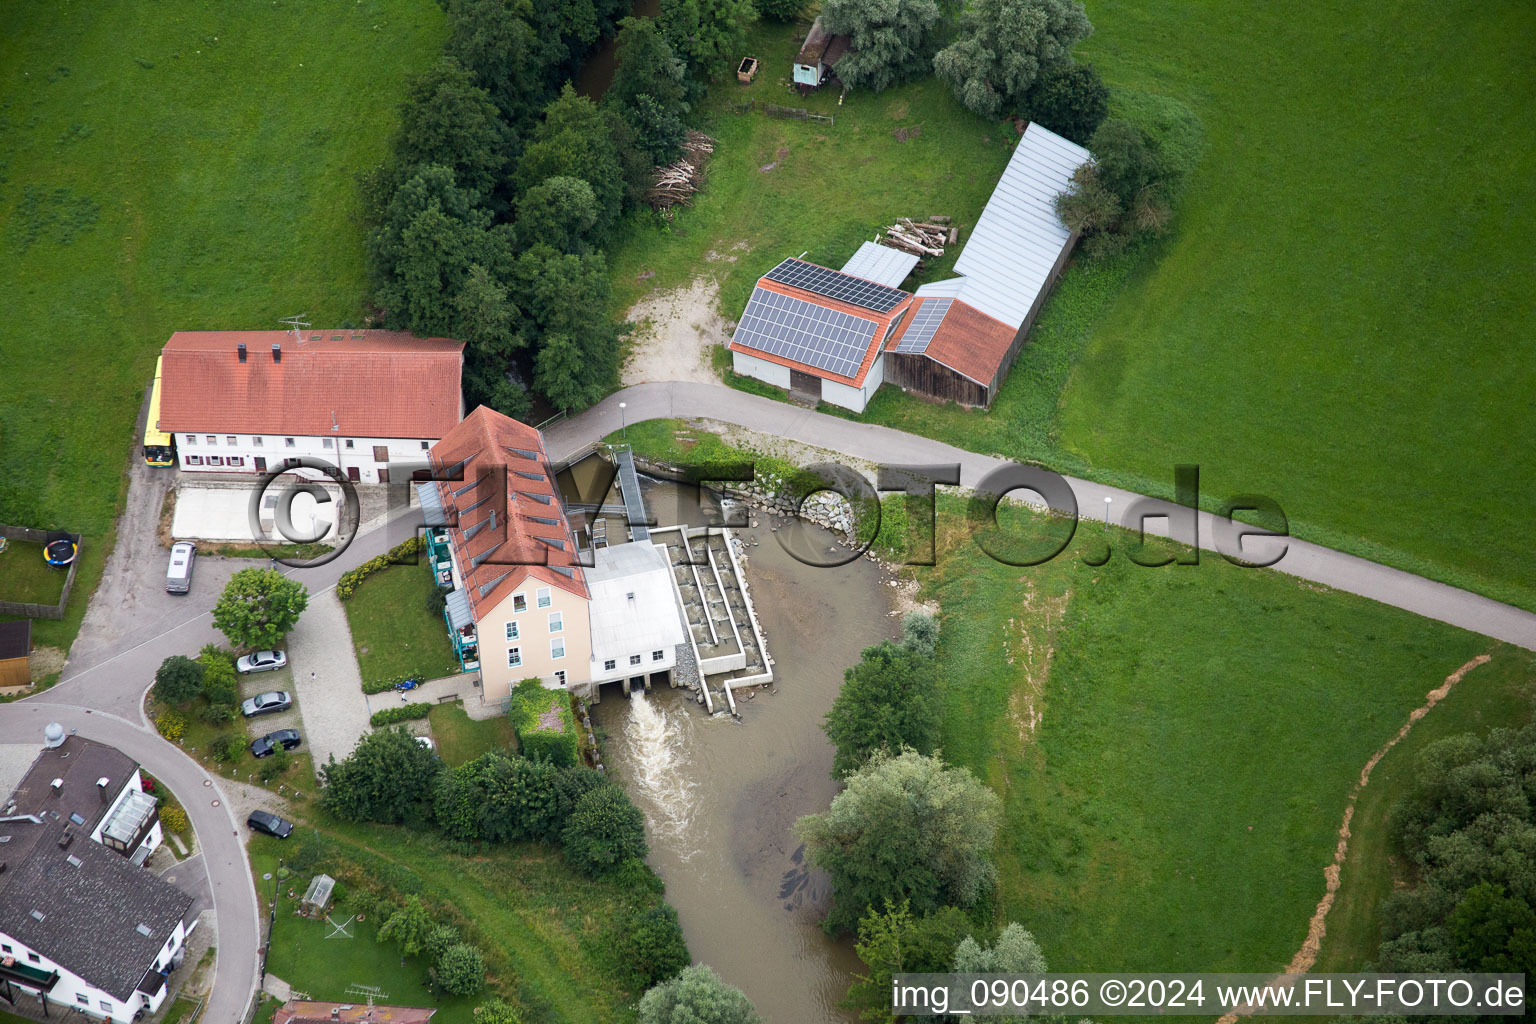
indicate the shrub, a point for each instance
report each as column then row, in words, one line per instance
column 604, row 830
column 217, row 714
column 696, row 995
column 174, row 819
column 497, row 1011
column 401, row 713
column 274, row 765
column 652, row 944
column 544, row 724
column 410, row 926
column 227, row 749
column 178, row 680
column 461, row 970
column 438, row 941
column 390, row 682
column 779, row 10
column 387, row 778
column 1068, row 98
column 920, row 633
column 171, row 725
column 220, row 683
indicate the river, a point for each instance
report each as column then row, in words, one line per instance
column 720, row 796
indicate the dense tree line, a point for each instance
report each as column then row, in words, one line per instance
column 489, row 218
column 1467, row 829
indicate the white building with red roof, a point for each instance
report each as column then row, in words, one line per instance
column 370, row 403
column 837, row 335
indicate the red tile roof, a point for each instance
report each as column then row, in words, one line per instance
column 296, row 1011
column 343, row 383
column 881, row 320
column 501, row 489
column 967, row 341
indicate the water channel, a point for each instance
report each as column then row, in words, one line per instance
column 597, row 73
column 720, row 796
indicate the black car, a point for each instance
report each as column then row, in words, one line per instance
column 271, row 824
column 264, row 747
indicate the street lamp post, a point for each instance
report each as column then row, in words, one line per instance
column 1107, row 500
column 623, row 425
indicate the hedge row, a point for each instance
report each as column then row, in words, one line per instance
column 390, row 682
column 405, row 551
column 555, row 741
column 403, row 713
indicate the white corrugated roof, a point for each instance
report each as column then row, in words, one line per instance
column 881, row 264
column 1009, row 256
column 632, row 608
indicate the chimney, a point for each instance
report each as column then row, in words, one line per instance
column 240, row 348
column 64, row 840
column 58, row 786
column 277, row 353
column 101, row 787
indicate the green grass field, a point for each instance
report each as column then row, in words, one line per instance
column 1335, row 321
column 164, row 168
column 460, row 738
column 26, row 577
column 393, row 629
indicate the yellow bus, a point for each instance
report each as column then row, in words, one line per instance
column 159, row 447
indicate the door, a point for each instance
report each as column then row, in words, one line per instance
column 383, row 475
column 261, row 463
column 353, row 474
column 805, row 383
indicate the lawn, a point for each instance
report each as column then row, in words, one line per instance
column 395, row 628
column 26, row 578
column 550, row 935
column 164, row 168
column 460, row 738
column 830, row 186
column 1171, row 743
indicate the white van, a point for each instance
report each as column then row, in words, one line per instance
column 178, row 579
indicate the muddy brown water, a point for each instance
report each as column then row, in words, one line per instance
column 597, row 73
column 720, row 796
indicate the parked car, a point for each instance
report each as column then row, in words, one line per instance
column 271, row 824
column 262, row 661
column 268, row 744
column 266, row 703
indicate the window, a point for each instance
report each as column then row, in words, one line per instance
column 194, row 460
column 512, row 631
column 556, row 622
column 557, row 647
column 514, row 657
column 349, row 444
column 5, row 948
column 634, row 659
column 287, row 442
column 34, row 958
column 658, row 655
column 544, row 599
column 325, row 442
column 236, row 460
column 82, row 998
column 191, row 439
column 231, row 440
column 610, row 665
column 519, row 602
column 560, row 676
column 426, row 445
column 106, row 1005
column 212, row 440
column 256, row 441
column 215, row 460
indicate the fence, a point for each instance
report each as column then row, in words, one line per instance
column 40, row 611
column 788, row 113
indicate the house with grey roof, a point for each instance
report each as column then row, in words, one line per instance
column 82, row 924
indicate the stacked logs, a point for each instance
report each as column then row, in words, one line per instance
column 675, row 184
column 921, row 238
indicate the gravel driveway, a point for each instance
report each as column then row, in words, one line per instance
column 326, row 680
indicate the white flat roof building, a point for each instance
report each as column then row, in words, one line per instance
column 633, row 612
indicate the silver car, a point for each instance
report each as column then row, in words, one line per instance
column 266, row 703
column 262, row 661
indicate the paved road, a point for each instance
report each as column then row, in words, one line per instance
column 882, row 444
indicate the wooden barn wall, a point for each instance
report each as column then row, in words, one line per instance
column 922, row 375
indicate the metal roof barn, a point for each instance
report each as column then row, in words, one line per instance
column 1018, row 242
column 881, row 264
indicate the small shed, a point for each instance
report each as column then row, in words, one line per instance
column 818, row 56
column 317, row 896
column 15, row 652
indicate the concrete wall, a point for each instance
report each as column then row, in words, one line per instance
column 751, row 366
column 193, row 452
column 533, row 640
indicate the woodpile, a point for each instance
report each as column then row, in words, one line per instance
column 675, row 184
column 920, row 238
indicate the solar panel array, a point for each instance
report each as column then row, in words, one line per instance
column 805, row 332
column 924, row 322
column 843, row 287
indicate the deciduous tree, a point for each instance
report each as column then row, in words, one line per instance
column 410, row 926
column 708, row 34
column 259, row 607
column 1068, row 98
column 888, row 701
column 460, row 970
column 1004, row 45
column 178, row 680
column 449, row 120
column 892, row 39
column 575, row 141
column 696, row 996
column 387, row 778
column 603, row 831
